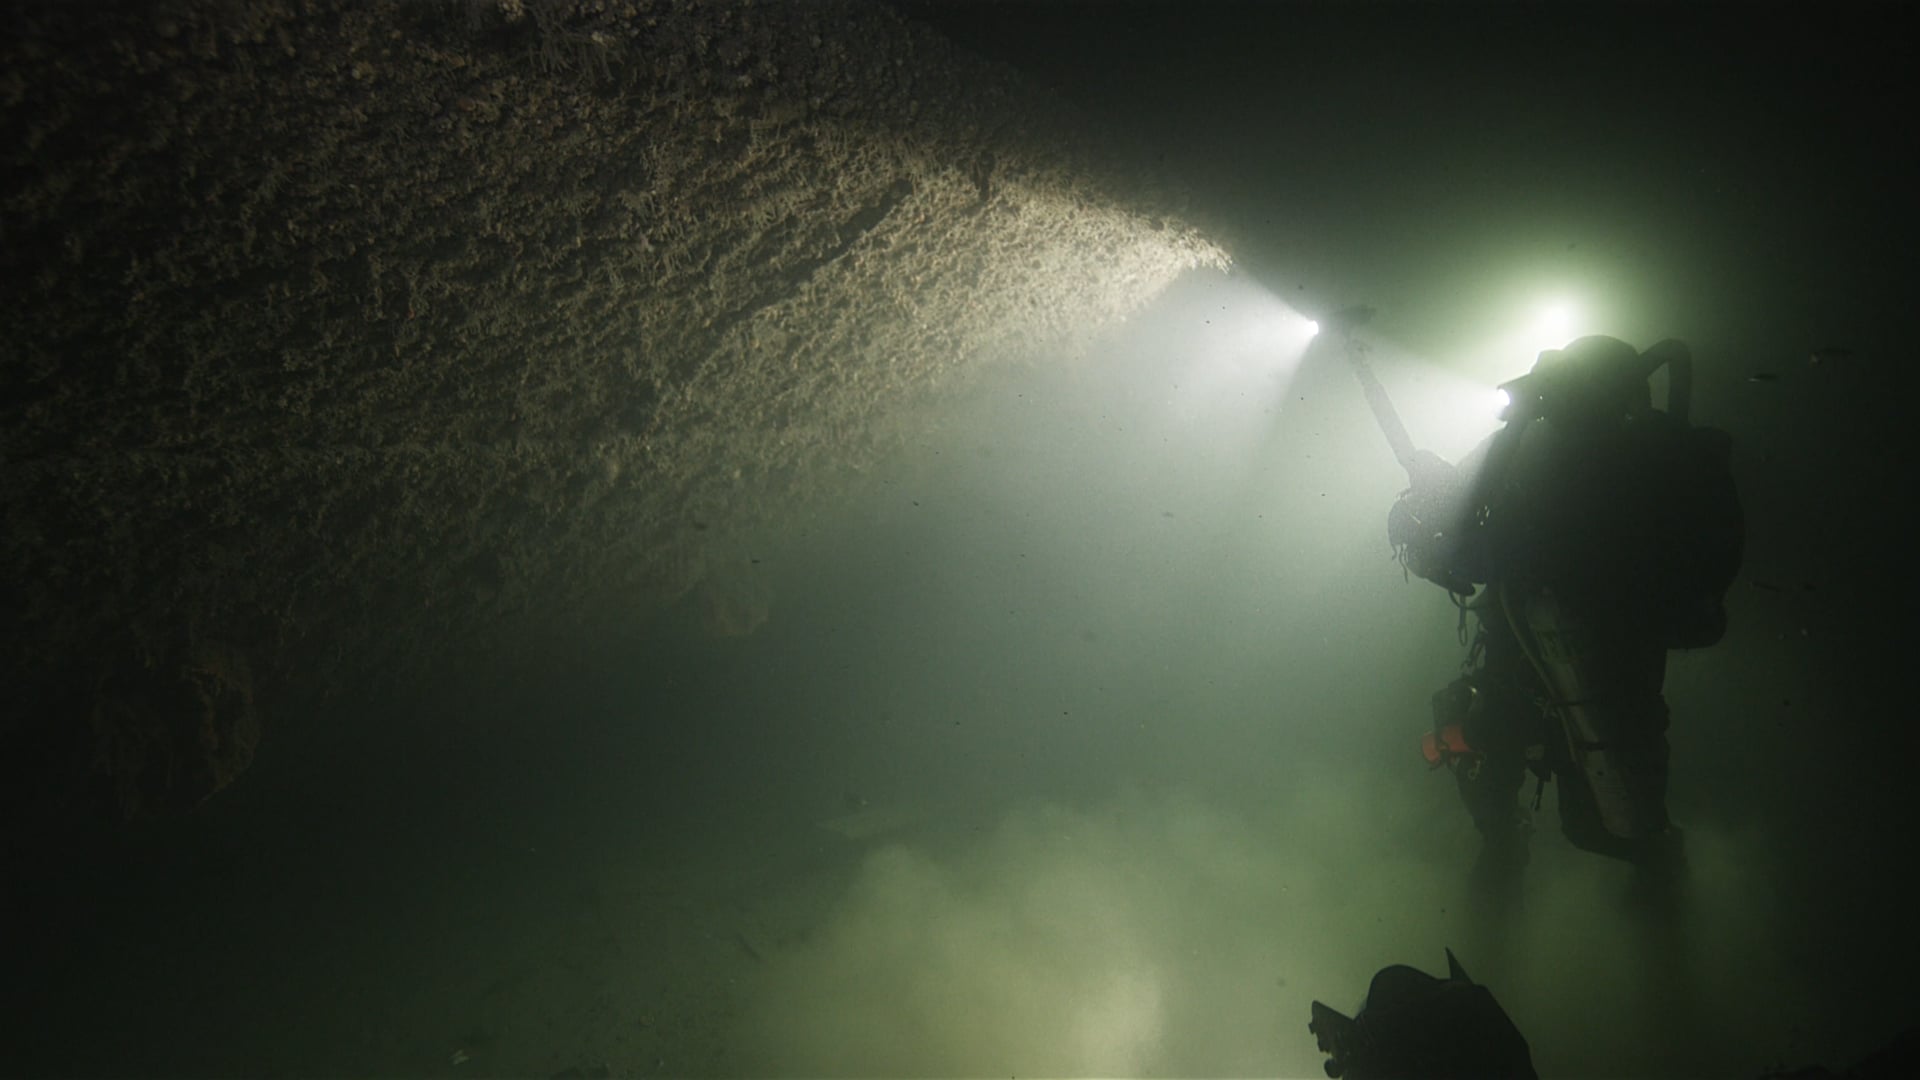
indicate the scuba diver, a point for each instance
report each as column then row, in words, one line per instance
column 1415, row 1025
column 1587, row 537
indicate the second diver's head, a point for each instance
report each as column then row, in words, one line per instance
column 1592, row 379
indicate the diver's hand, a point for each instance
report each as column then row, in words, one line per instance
column 1425, row 526
column 1431, row 477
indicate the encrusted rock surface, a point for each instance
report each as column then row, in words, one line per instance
column 340, row 334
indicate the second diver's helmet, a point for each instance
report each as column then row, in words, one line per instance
column 1592, row 378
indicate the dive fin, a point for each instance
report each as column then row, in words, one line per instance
column 1455, row 971
column 1333, row 1033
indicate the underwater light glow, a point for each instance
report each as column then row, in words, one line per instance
column 1555, row 324
column 1523, row 325
column 1558, row 316
column 1230, row 349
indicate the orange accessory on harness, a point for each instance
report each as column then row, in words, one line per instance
column 1444, row 745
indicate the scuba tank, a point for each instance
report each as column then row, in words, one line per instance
column 1561, row 648
column 1708, row 531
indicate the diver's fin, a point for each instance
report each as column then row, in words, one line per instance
column 1455, row 971
column 1333, row 1033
